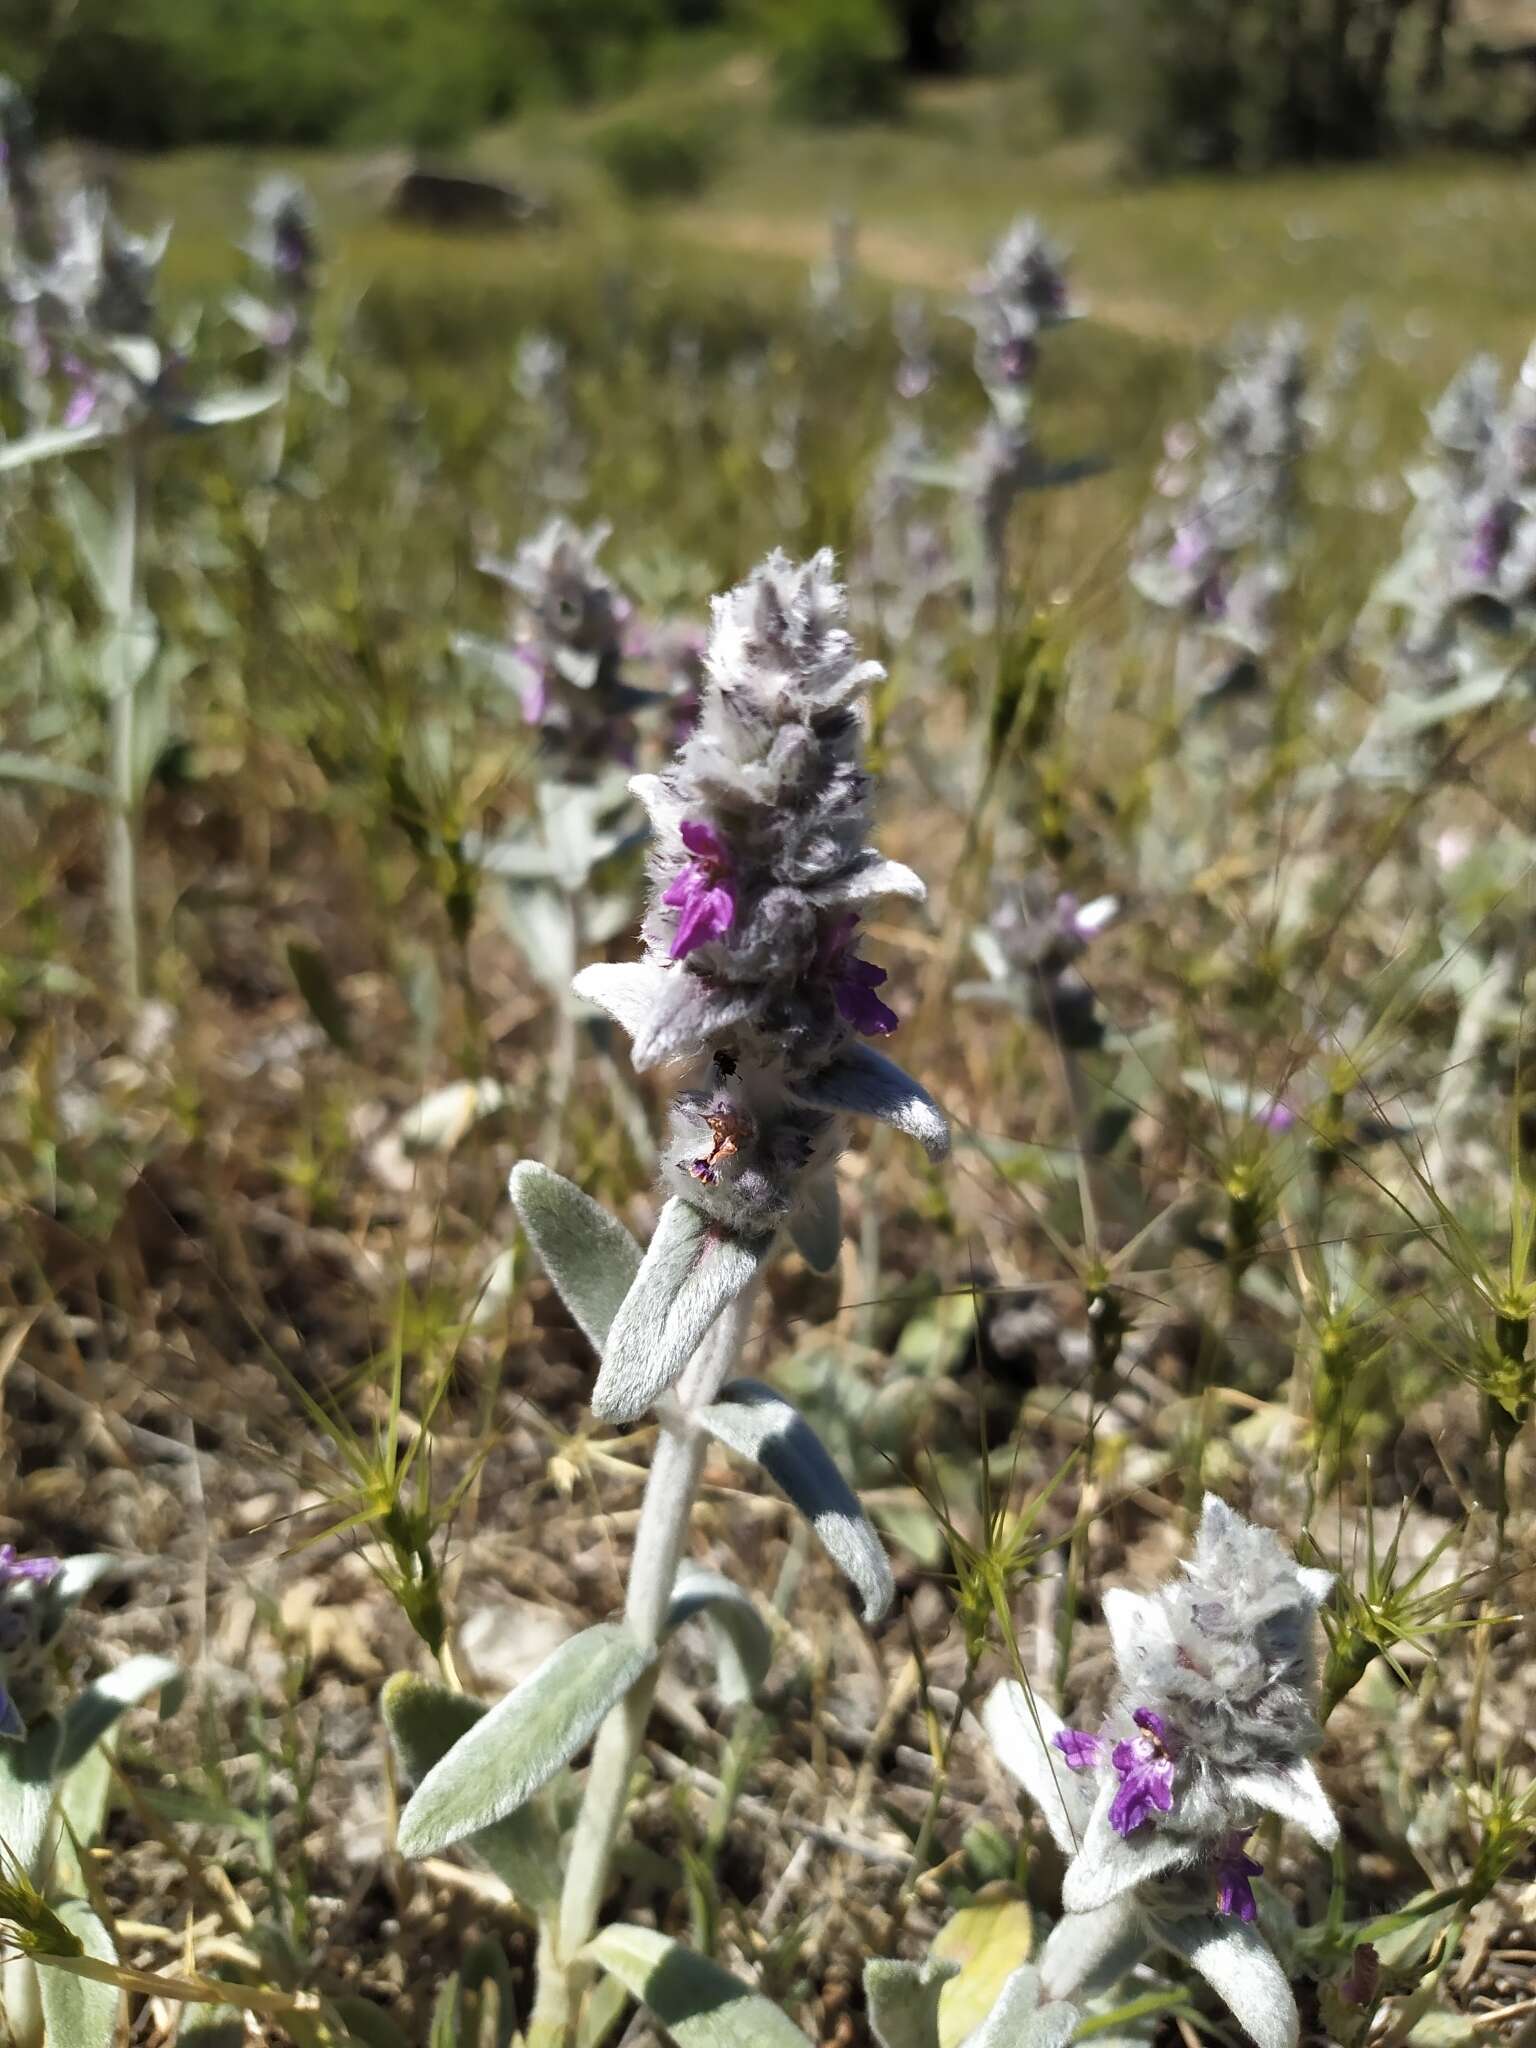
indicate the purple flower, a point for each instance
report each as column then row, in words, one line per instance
column 1016, row 360
column 15, row 1571
column 1145, row 1769
column 79, row 406
column 701, row 894
column 534, row 695
column 1083, row 1752
column 1234, row 1868
column 1276, row 1115
column 1490, row 542
column 1190, row 549
column 854, row 981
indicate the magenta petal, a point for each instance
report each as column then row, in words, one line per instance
column 702, row 840
column 858, row 1006
column 706, row 913
column 1145, row 1790
column 1083, row 1752
column 1234, row 1868
column 1154, row 1724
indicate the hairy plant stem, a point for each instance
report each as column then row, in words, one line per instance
column 565, row 1047
column 659, row 1541
column 122, row 687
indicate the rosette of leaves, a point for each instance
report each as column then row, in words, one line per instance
column 55, row 1779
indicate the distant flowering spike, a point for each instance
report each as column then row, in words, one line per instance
column 1215, row 553
column 566, row 647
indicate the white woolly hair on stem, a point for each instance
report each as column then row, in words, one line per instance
column 660, row 1538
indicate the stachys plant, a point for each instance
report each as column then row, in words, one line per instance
column 1211, row 1730
column 754, row 986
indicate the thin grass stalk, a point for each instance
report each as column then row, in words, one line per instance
column 122, row 737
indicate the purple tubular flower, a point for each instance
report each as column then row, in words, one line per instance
column 15, row 1571
column 854, row 981
column 1082, row 1752
column 1490, row 541
column 1234, row 1869
column 1145, row 1769
column 701, row 894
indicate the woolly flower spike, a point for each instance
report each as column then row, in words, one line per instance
column 1462, row 593
column 1022, row 291
column 284, row 246
column 1030, row 947
column 761, row 868
column 566, row 654
column 1213, row 1729
column 1216, row 556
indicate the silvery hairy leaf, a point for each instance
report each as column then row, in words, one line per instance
column 863, row 1082
column 524, row 1739
column 92, row 1712
column 699, row 2004
column 538, row 917
column 424, row 1722
column 757, row 1423
column 48, row 442
column 627, row 991
column 692, row 1268
column 16, row 767
column 79, row 2012
column 103, row 542
column 1236, row 1962
column 1087, row 1953
column 1295, row 1792
column 26, row 1794
column 80, row 1575
column 590, row 1257
column 1021, row 1728
column 903, row 2001
column 1110, row 1864
column 871, row 876
column 235, row 402
column 1020, row 2020
column 816, row 1222
column 743, row 1645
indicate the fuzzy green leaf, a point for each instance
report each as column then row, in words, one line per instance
column 743, row 1646
column 77, row 2011
column 524, row 1740
column 699, row 2004
column 757, row 1423
column 92, row 1712
column 588, row 1254
column 692, row 1268
column 424, row 1723
column 903, row 2001
column 26, row 1794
